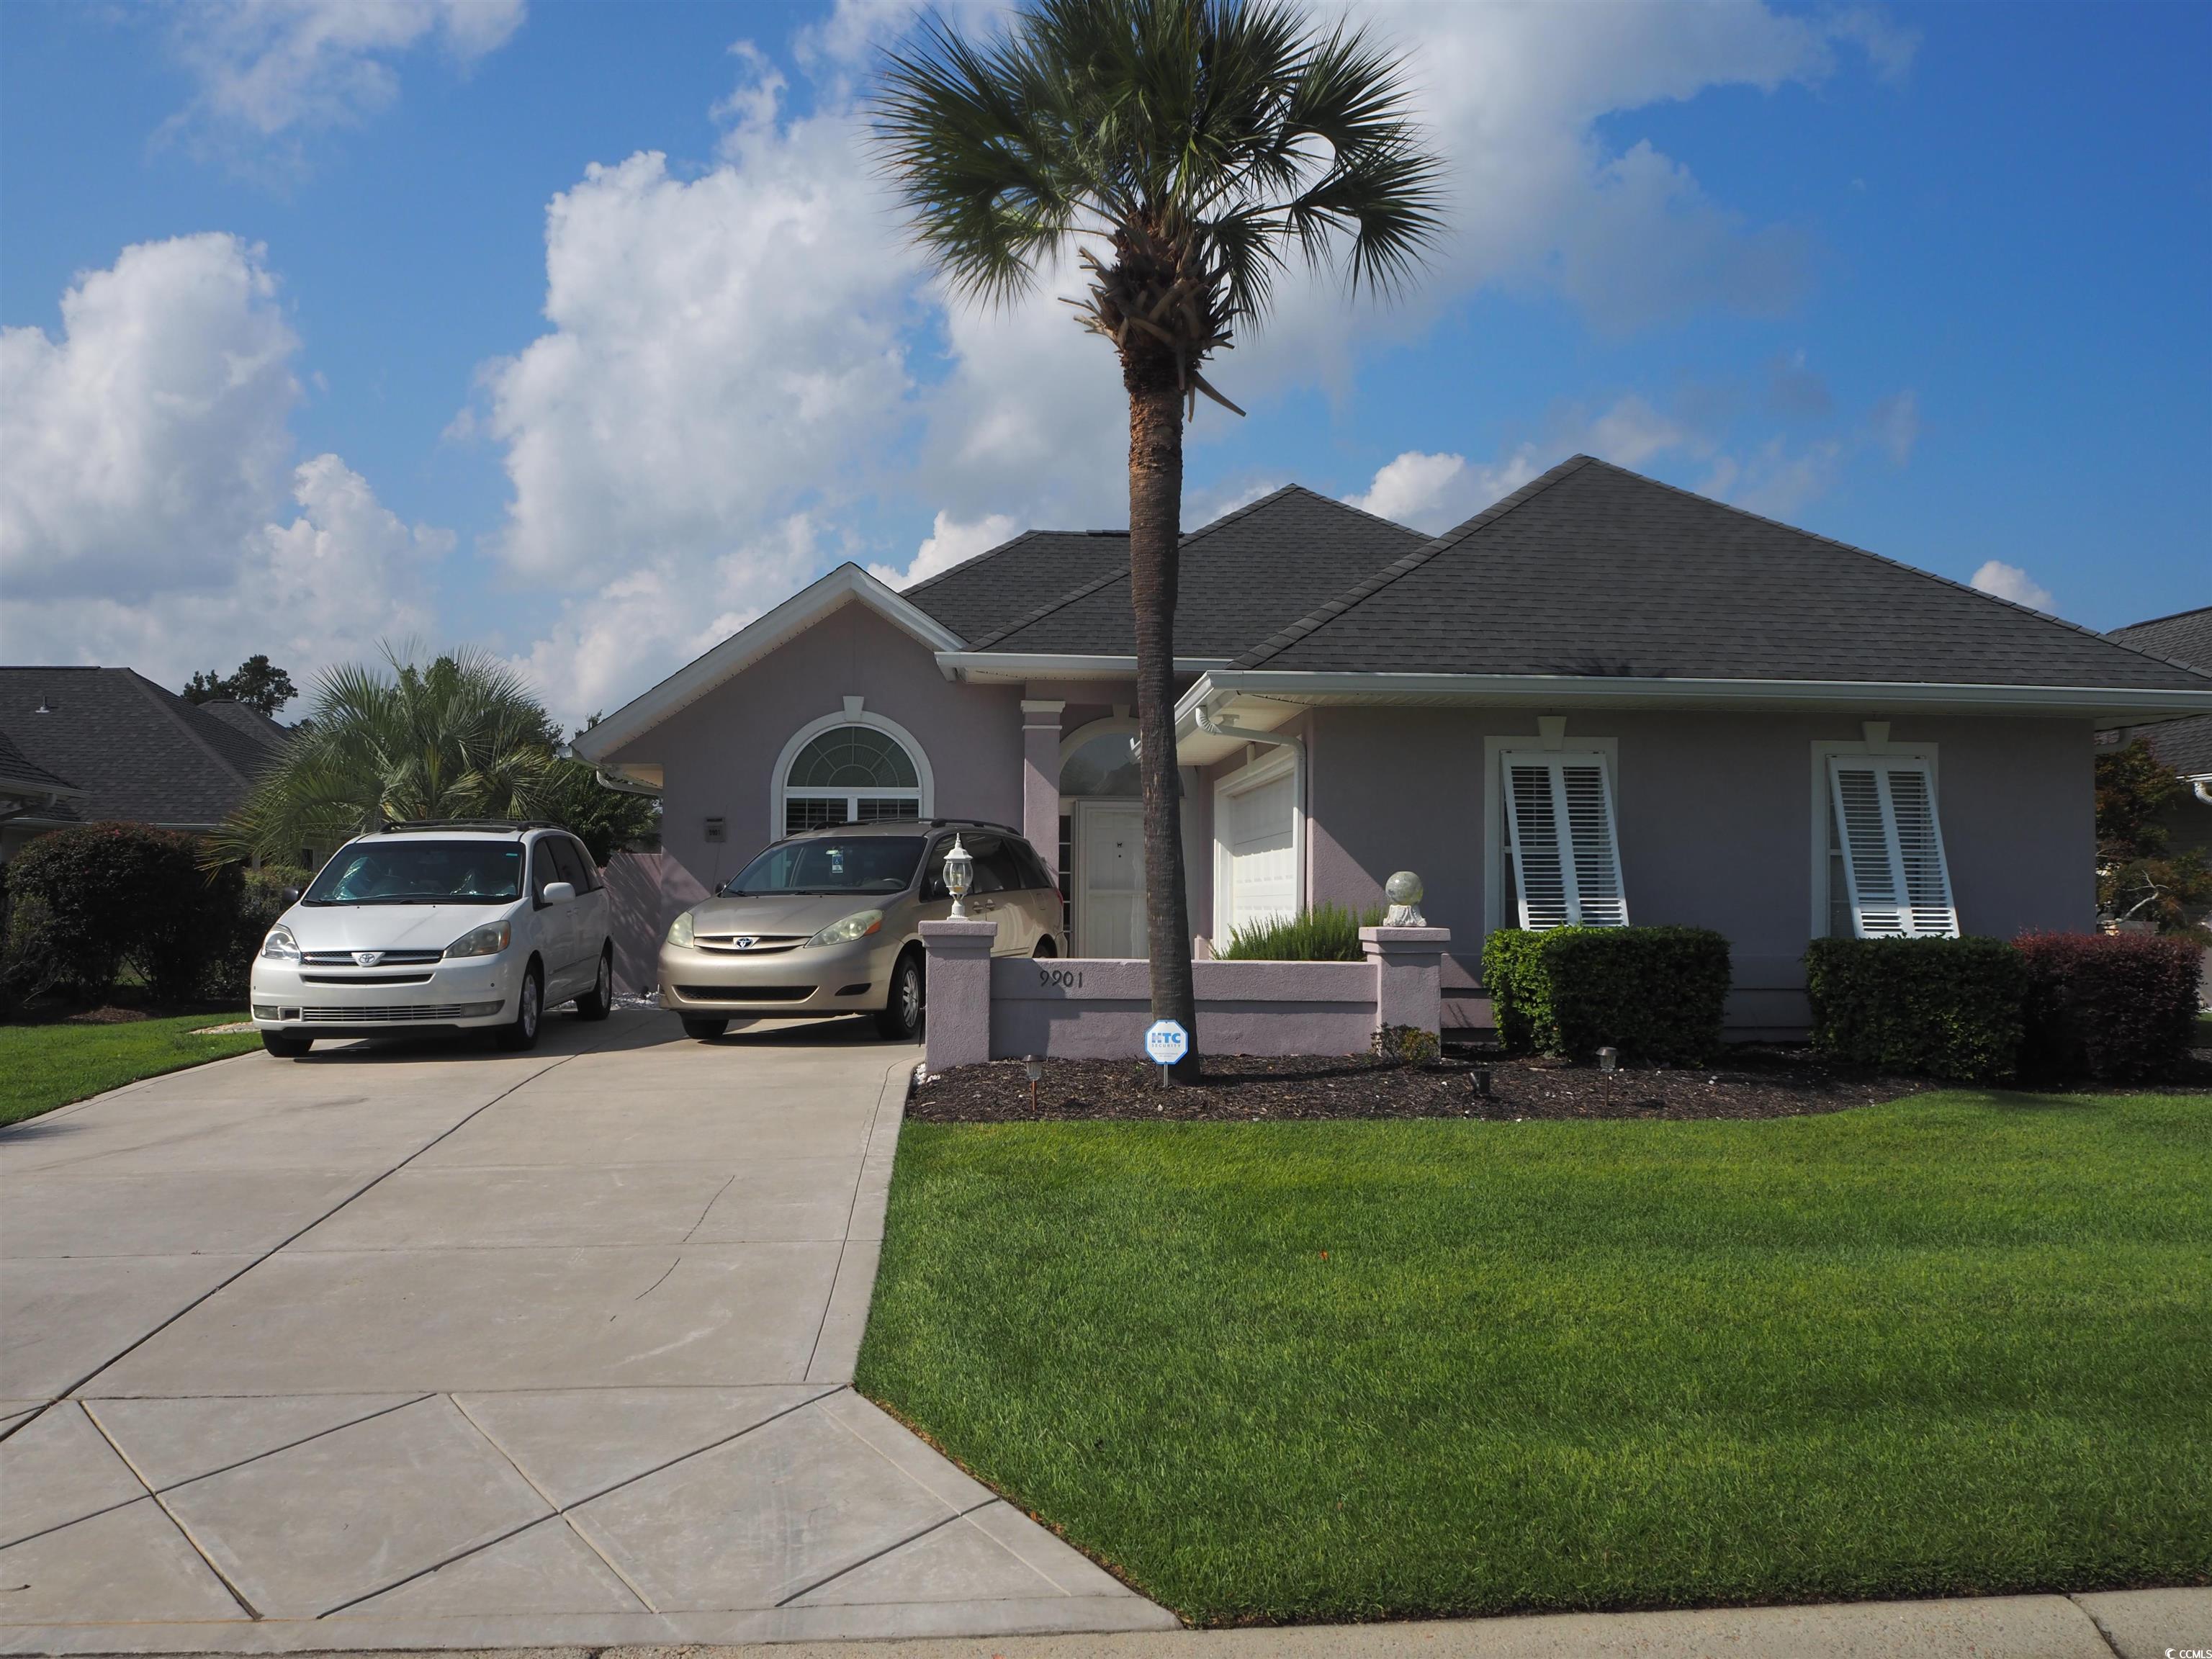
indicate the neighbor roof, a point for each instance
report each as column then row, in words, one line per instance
column 1241, row 577
column 22, row 779
column 136, row 752
column 981, row 595
column 1595, row 571
column 2186, row 636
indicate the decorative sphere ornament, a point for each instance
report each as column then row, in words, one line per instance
column 1403, row 890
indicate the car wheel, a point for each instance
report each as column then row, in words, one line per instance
column 1046, row 948
column 600, row 1001
column 901, row 1019
column 705, row 1028
column 521, row 1032
column 286, row 1047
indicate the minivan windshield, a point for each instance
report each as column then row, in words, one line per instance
column 830, row 864
column 420, row 872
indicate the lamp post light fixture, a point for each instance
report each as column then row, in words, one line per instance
column 959, row 876
column 1608, row 1059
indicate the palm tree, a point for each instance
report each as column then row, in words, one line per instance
column 1181, row 150
column 460, row 737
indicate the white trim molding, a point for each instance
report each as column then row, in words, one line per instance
column 1286, row 761
column 846, row 585
column 994, row 667
column 848, row 716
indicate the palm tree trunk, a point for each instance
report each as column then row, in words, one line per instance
column 1155, row 543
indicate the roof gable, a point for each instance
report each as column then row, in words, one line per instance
column 1595, row 571
column 846, row 585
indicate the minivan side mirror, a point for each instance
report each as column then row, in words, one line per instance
column 289, row 897
column 559, row 892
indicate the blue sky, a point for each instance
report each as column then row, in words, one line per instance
column 415, row 336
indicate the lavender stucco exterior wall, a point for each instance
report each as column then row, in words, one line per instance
column 1715, row 826
column 717, row 756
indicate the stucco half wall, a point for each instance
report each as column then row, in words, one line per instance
column 718, row 754
column 1715, row 826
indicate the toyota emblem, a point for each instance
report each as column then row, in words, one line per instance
column 366, row 958
column 744, row 941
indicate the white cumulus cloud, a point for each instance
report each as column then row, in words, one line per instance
column 152, row 513
column 268, row 66
column 951, row 541
column 2010, row 581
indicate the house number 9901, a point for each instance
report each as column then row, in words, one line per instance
column 1065, row 978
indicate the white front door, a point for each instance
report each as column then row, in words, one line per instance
column 1109, row 878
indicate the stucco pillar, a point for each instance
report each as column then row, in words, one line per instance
column 1041, row 778
column 1408, row 975
column 958, row 1026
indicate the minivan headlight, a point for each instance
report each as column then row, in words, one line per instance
column 280, row 946
column 681, row 930
column 859, row 925
column 488, row 940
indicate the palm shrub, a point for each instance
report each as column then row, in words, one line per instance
column 1322, row 933
column 459, row 736
column 1181, row 152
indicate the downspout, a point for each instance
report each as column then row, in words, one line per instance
column 1212, row 728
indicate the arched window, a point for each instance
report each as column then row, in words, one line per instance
column 1101, row 760
column 845, row 771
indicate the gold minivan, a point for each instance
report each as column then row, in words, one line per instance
column 829, row 921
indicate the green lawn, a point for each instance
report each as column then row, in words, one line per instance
column 1960, row 1343
column 43, row 1066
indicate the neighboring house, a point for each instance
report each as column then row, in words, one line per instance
column 127, row 750
column 1603, row 699
column 2185, row 745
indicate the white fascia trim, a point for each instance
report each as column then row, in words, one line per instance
column 1046, row 665
column 1476, row 690
column 847, row 584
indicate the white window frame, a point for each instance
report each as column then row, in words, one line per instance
column 1499, row 908
column 1823, row 809
column 851, row 714
column 1272, row 765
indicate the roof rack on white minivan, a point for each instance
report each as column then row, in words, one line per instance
column 482, row 826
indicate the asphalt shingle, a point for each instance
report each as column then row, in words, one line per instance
column 1594, row 570
column 2186, row 636
column 982, row 595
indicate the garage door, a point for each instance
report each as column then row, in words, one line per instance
column 1262, row 873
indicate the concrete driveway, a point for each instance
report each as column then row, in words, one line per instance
column 434, row 1346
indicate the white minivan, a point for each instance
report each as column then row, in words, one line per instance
column 466, row 925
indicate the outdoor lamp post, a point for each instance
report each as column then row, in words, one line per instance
column 959, row 876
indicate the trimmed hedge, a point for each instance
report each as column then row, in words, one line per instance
column 90, row 901
column 1938, row 1007
column 2118, row 1008
column 1655, row 993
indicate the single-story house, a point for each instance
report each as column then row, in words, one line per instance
column 1601, row 700
column 121, row 747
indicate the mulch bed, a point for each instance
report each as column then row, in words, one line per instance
column 1751, row 1082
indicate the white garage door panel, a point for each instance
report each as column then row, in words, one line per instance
column 1263, row 876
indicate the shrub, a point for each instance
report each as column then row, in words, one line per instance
column 260, row 902
column 90, row 901
column 1327, row 933
column 1940, row 1007
column 1655, row 993
column 2120, row 1007
column 1407, row 1045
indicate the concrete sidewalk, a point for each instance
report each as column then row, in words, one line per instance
column 429, row 1346
column 2165, row 1624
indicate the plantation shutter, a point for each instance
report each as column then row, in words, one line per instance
column 1566, row 859
column 1892, row 847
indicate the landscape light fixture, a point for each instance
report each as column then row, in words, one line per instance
column 959, row 876
column 1035, row 1067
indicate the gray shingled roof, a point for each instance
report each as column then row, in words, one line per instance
column 267, row 733
column 1595, row 570
column 2186, row 636
column 982, row 595
column 139, row 752
column 21, row 777
column 1245, row 575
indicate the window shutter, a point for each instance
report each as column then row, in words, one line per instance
column 1892, row 847
column 1566, row 857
